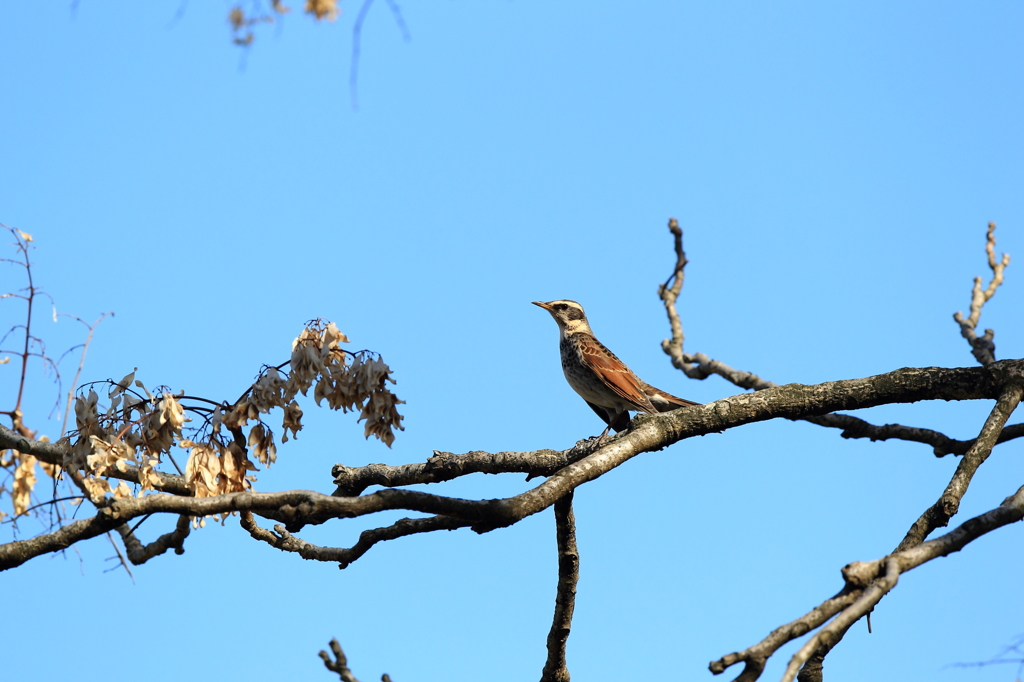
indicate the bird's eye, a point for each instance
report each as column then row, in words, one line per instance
column 561, row 306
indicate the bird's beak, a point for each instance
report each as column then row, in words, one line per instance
column 540, row 304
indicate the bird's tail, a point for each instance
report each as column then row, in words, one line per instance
column 664, row 401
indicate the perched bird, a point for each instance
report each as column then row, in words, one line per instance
column 602, row 380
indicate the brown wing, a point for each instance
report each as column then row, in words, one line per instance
column 614, row 373
column 662, row 400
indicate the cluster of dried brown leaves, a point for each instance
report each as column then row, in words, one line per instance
column 140, row 429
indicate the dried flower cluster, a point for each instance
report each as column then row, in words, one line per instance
column 242, row 21
column 140, row 429
column 132, row 429
column 347, row 381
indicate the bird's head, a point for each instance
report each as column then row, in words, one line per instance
column 568, row 314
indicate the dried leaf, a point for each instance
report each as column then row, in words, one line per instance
column 24, row 482
column 323, row 9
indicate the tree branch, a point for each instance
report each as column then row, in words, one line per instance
column 339, row 664
column 647, row 433
column 700, row 366
column 281, row 539
column 140, row 554
column 942, row 445
column 829, row 636
column 983, row 348
column 53, row 453
column 755, row 657
column 445, row 466
column 860, row 594
column 948, row 504
column 555, row 669
column 879, row 576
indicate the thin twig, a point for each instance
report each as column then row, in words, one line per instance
column 81, row 364
column 396, row 12
column 139, row 553
column 340, row 662
column 983, row 348
column 281, row 539
column 122, row 560
column 357, row 39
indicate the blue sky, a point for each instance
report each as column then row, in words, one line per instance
column 833, row 166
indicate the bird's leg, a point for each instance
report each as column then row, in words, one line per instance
column 617, row 420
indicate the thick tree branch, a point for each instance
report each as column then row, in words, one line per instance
column 936, row 516
column 445, row 466
column 878, row 577
column 948, row 504
column 828, row 636
column 860, row 594
column 555, row 669
column 647, row 433
column 860, row 576
column 756, row 656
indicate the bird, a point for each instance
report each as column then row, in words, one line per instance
column 608, row 386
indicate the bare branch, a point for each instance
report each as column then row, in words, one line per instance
column 445, row 466
column 830, row 634
column 357, row 37
column 867, row 583
column 140, row 554
column 983, row 348
column 669, row 293
column 860, row 577
column 555, row 669
column 936, row 516
column 647, row 433
column 869, row 574
column 756, row 656
column 121, row 558
column 1016, row 649
column 339, row 664
column 281, row 539
column 942, row 445
column 53, row 453
column 948, row 504
column 697, row 366
column 700, row 366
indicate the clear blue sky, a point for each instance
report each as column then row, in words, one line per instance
column 834, row 166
